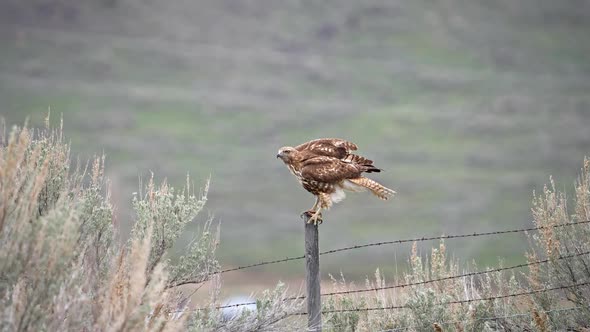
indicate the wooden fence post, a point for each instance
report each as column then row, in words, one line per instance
column 312, row 277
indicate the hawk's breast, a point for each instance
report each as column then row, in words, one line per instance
column 313, row 186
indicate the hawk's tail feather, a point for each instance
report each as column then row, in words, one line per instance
column 375, row 187
column 371, row 169
column 367, row 163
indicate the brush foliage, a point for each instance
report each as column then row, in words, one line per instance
column 425, row 308
column 63, row 266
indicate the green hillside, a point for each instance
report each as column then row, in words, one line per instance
column 469, row 106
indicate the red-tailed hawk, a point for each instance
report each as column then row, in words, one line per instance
column 327, row 168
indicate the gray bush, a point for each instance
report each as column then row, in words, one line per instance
column 61, row 264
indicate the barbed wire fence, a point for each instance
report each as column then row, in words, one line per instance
column 424, row 282
column 410, row 240
column 466, row 301
column 419, row 283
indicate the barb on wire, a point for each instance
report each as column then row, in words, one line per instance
column 491, row 298
column 485, row 319
column 227, row 306
column 443, row 237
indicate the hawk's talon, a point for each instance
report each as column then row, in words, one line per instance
column 317, row 220
column 312, row 217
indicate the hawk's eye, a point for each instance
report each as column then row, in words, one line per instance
column 287, row 151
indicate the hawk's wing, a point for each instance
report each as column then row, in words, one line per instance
column 328, row 169
column 332, row 147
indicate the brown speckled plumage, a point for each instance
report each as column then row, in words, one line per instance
column 327, row 167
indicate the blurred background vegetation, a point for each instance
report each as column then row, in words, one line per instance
column 468, row 105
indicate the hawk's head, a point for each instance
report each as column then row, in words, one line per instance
column 287, row 154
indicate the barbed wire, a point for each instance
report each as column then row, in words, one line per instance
column 443, row 237
column 374, row 244
column 447, row 237
column 485, row 318
column 287, row 259
column 491, row 298
column 465, row 275
column 417, row 283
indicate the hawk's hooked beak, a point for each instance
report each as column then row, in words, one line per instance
column 278, row 155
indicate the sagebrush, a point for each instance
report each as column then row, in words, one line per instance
column 63, row 267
